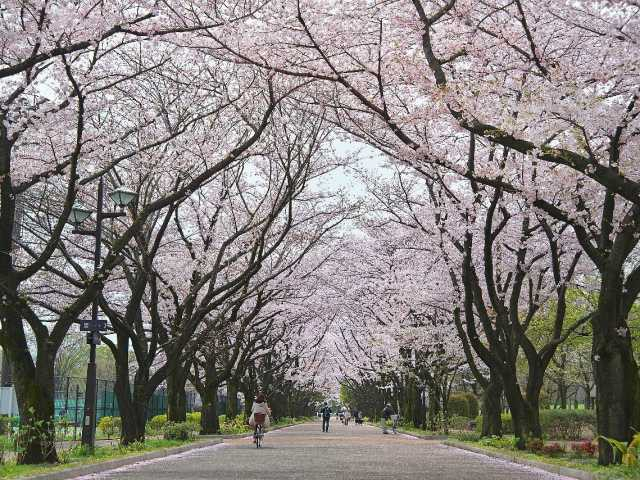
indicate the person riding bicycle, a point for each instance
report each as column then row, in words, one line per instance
column 260, row 413
column 387, row 412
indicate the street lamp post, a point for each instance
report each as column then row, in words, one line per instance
column 78, row 215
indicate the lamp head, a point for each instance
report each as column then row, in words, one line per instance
column 79, row 214
column 122, row 197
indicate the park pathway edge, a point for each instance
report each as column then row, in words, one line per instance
column 99, row 467
column 548, row 467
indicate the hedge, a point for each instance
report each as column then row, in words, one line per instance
column 556, row 424
column 179, row 430
column 474, row 406
column 458, row 405
column 463, row 404
column 458, row 422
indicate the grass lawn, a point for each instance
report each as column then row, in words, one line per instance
column 77, row 456
column 617, row 472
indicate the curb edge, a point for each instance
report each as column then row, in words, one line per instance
column 547, row 467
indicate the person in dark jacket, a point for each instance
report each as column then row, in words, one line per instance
column 326, row 416
column 387, row 411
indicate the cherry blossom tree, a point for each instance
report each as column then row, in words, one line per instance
column 97, row 123
column 555, row 84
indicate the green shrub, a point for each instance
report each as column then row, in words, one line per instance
column 560, row 424
column 467, row 436
column 156, row 423
column 6, row 446
column 534, row 445
column 474, row 406
column 14, row 422
column 179, row 430
column 459, row 423
column 194, row 417
column 110, row 425
column 507, row 424
column 458, row 405
column 5, row 424
column 498, row 442
column 556, row 424
column 222, row 419
column 237, row 425
column 136, row 446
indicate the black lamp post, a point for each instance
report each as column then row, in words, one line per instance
column 121, row 198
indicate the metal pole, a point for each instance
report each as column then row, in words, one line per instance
column 93, row 337
column 113, row 400
column 104, row 398
column 75, row 417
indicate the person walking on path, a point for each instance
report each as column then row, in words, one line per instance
column 326, row 416
column 387, row 411
column 347, row 417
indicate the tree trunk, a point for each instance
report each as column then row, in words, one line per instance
column 562, row 394
column 35, row 392
column 416, row 404
column 434, row 416
column 492, row 408
column 248, row 401
column 176, row 395
column 209, row 421
column 518, row 415
column 232, row 399
column 614, row 367
column 34, row 386
column 133, row 408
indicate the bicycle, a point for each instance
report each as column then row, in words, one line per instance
column 258, row 433
column 258, row 436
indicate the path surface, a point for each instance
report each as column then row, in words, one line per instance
column 345, row 453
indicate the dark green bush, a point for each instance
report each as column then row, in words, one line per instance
column 179, row 430
column 458, row 405
column 5, row 423
column 474, row 406
column 507, row 424
column 467, row 436
column 560, row 424
column 459, row 423
column 556, row 424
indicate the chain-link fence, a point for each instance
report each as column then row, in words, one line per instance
column 70, row 393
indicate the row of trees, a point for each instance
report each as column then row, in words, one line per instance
column 206, row 278
column 533, row 106
column 519, row 120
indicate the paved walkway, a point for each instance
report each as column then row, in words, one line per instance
column 345, row 453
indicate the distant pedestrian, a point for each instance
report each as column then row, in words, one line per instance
column 325, row 411
column 347, row 417
column 387, row 412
